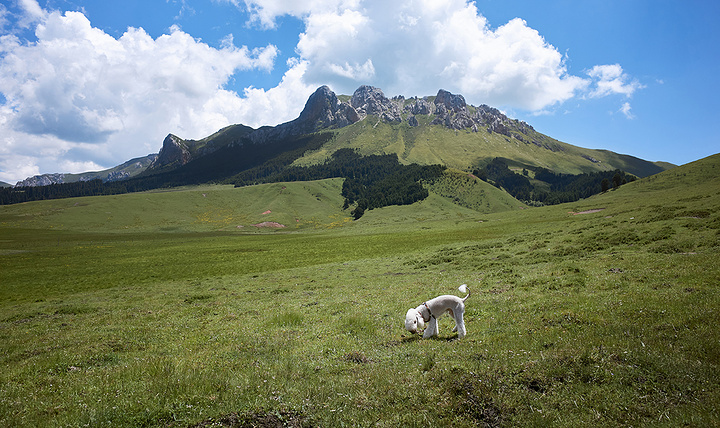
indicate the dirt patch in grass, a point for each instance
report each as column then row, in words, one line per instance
column 356, row 357
column 596, row 210
column 271, row 224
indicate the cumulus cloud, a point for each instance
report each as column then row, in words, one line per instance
column 82, row 85
column 416, row 47
column 77, row 86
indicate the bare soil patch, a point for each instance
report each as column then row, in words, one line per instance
column 596, row 210
column 271, row 224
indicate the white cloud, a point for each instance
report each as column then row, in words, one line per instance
column 77, row 87
column 610, row 79
column 260, row 107
column 32, row 10
column 265, row 12
column 627, row 110
column 416, row 47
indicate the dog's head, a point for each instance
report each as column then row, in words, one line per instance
column 414, row 321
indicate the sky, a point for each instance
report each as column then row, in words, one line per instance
column 86, row 85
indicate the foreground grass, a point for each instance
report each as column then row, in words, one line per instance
column 607, row 318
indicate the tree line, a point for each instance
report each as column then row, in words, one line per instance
column 370, row 181
column 562, row 187
column 211, row 168
column 373, row 181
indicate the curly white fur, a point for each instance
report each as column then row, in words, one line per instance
column 431, row 310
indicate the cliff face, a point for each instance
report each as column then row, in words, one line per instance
column 174, row 152
column 323, row 110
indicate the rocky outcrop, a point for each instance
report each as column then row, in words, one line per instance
column 324, row 110
column 452, row 102
column 174, row 152
column 420, row 106
column 117, row 176
column 42, row 180
column 368, row 100
column 412, row 121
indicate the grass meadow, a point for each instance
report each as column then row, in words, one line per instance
column 171, row 309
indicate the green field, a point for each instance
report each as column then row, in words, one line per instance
column 174, row 308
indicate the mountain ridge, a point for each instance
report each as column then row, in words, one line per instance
column 397, row 125
column 123, row 171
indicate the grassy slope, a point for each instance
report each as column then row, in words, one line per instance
column 192, row 209
column 466, row 150
column 606, row 318
column 470, row 192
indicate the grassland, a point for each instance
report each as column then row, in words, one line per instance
column 172, row 309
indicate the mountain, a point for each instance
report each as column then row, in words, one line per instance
column 441, row 129
column 124, row 171
column 444, row 129
column 370, row 139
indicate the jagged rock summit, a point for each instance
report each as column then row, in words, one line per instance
column 368, row 100
column 174, row 152
column 324, row 110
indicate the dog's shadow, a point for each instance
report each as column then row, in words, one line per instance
column 417, row 338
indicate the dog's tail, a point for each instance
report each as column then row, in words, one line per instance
column 463, row 289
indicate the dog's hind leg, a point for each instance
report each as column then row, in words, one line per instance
column 459, row 325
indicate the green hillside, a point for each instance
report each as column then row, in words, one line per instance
column 468, row 191
column 188, row 209
column 466, row 150
column 295, row 205
column 441, row 130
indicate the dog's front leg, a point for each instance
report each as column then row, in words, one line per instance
column 432, row 329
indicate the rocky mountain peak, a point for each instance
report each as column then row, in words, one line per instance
column 451, row 101
column 324, row 110
column 174, row 151
column 369, row 100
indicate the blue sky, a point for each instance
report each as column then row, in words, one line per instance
column 86, row 85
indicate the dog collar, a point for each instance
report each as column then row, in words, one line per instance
column 429, row 311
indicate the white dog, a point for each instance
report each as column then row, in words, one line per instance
column 431, row 310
